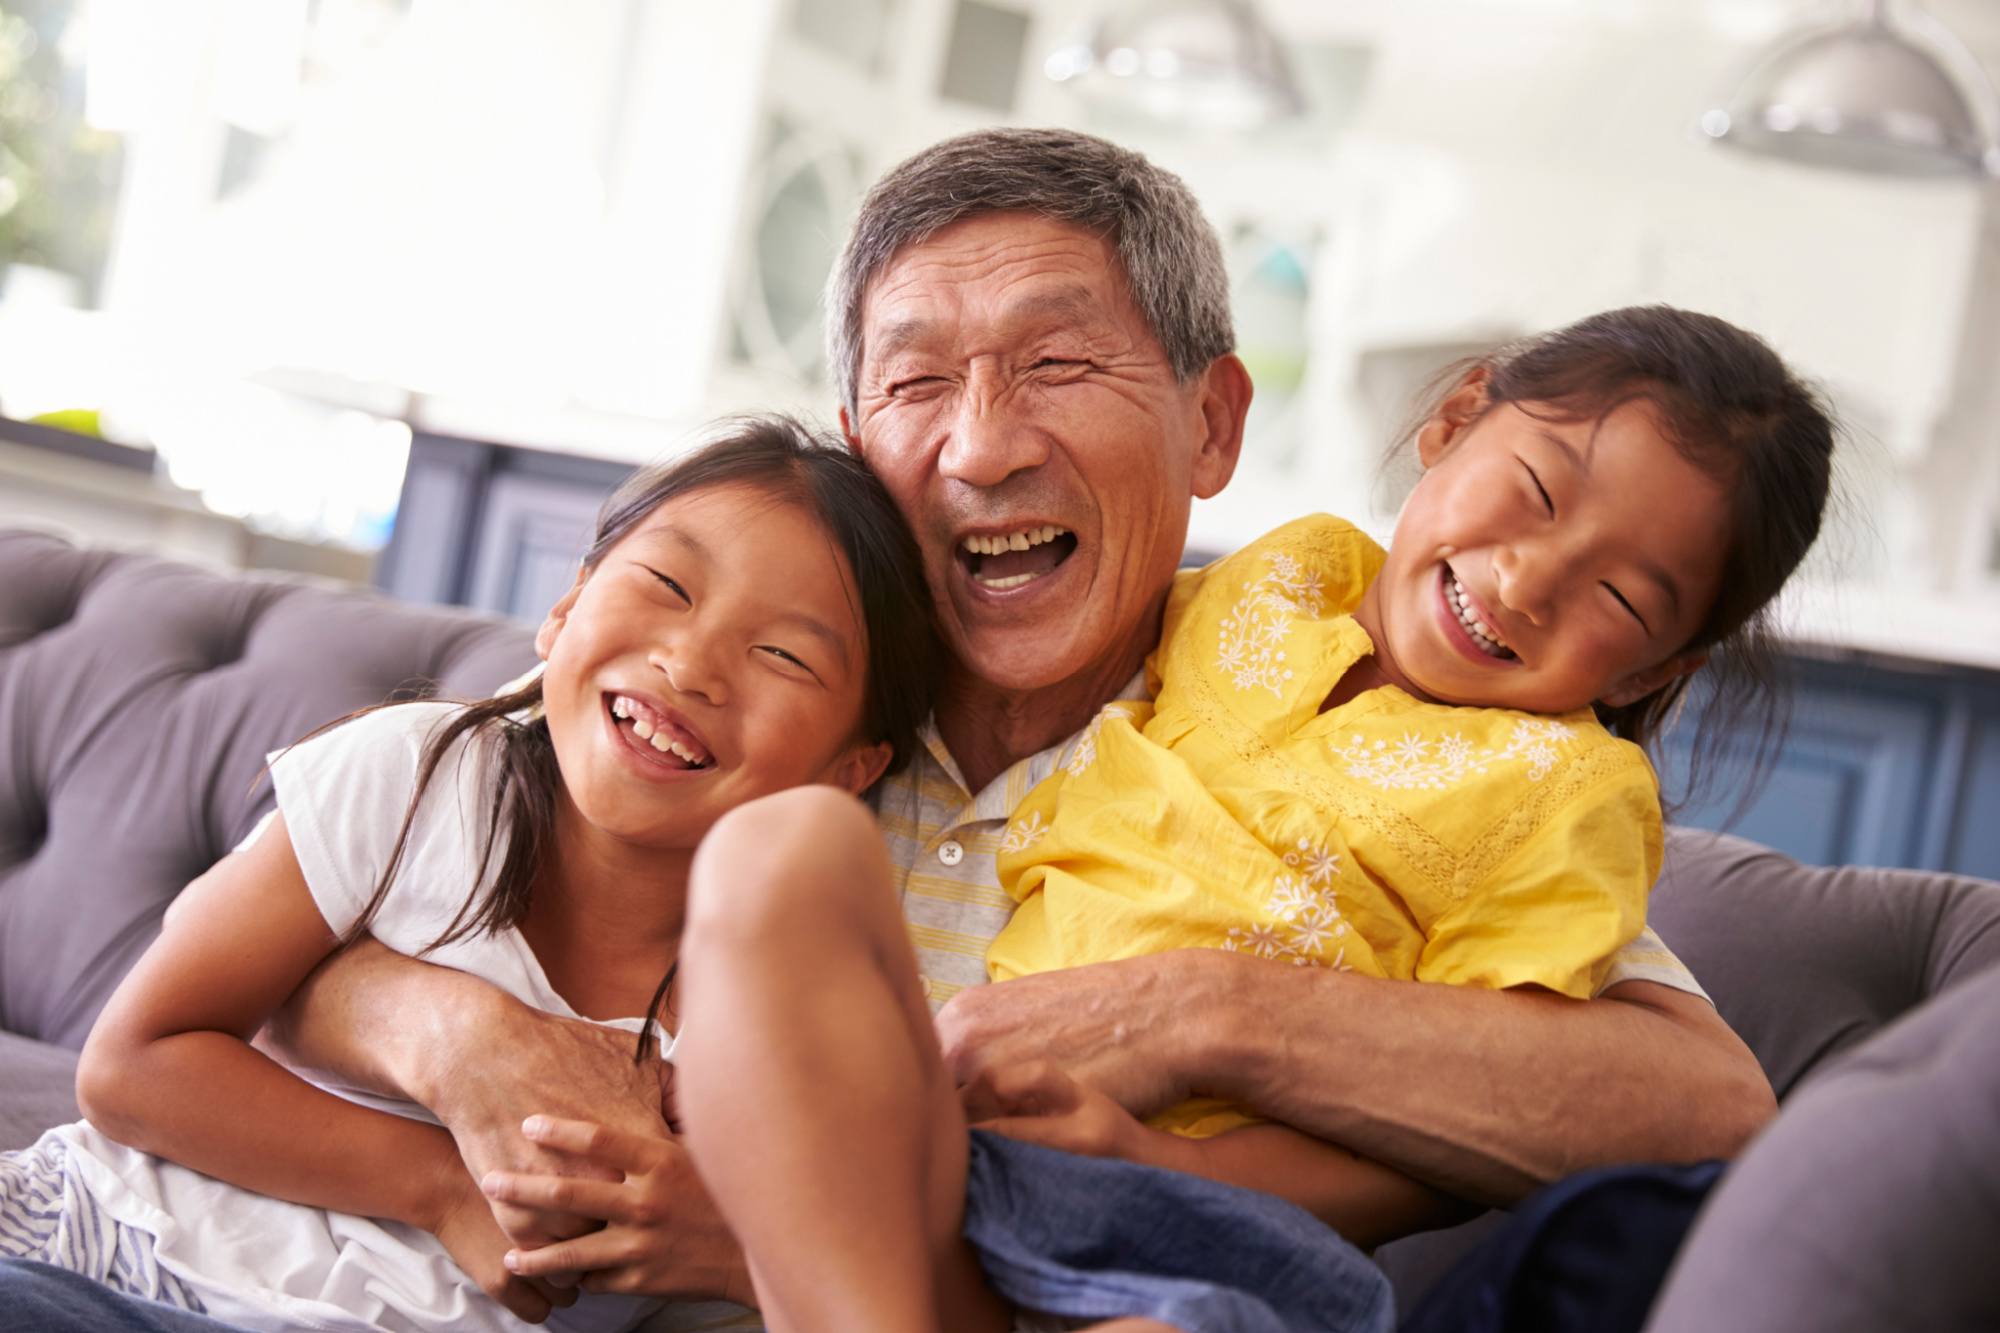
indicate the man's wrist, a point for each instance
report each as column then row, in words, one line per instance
column 462, row 1022
column 1228, row 1039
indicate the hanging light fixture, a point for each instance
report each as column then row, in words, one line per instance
column 1209, row 64
column 1865, row 96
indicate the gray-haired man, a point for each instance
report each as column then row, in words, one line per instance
column 1031, row 336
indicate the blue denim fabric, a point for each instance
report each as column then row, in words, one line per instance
column 39, row 1298
column 1587, row 1254
column 1092, row 1237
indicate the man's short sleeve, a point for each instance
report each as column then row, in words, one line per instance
column 1647, row 958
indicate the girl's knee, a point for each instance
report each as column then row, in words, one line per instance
column 769, row 859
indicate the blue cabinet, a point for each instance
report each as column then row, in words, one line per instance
column 493, row 526
column 1885, row 763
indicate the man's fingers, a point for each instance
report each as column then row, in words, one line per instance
column 523, row 1299
column 560, row 1294
column 562, row 1194
column 602, row 1144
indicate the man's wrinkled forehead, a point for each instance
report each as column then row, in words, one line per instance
column 917, row 320
column 1012, row 271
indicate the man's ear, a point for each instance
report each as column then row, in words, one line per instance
column 856, row 771
column 558, row 616
column 1465, row 404
column 1642, row 683
column 1224, row 391
column 847, row 432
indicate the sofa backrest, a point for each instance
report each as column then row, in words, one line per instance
column 1807, row 962
column 138, row 699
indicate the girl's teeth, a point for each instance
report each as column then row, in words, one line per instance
column 666, row 745
column 642, row 728
column 1468, row 618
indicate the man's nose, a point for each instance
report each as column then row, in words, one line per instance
column 990, row 437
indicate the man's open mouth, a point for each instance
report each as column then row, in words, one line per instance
column 1001, row 560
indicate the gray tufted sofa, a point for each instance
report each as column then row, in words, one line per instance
column 138, row 698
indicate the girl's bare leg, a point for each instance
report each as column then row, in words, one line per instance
column 809, row 1082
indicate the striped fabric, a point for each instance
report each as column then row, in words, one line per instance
column 48, row 1214
column 942, row 841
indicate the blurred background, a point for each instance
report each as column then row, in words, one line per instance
column 294, row 253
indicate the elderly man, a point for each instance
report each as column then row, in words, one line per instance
column 1031, row 337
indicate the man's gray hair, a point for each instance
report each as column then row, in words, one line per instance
column 1172, row 258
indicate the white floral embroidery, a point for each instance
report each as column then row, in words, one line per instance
column 1024, row 834
column 1437, row 764
column 1252, row 648
column 1307, row 919
column 1084, row 753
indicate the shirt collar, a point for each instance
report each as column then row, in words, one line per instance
column 997, row 799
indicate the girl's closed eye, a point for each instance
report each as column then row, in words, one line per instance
column 1630, row 609
column 672, row 584
column 1541, row 490
column 789, row 658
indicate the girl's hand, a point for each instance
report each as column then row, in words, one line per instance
column 662, row 1234
column 465, row 1227
column 1041, row 1103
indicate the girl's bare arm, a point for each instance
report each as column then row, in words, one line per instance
column 169, row 1068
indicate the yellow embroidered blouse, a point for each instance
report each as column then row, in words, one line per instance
column 1476, row 846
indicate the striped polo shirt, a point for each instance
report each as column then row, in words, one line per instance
column 942, row 840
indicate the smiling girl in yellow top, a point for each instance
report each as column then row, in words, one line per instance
column 1427, row 763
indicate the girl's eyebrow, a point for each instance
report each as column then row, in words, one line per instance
column 1581, row 460
column 686, row 540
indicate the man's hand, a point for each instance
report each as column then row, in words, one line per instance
column 661, row 1236
column 538, row 1063
column 1117, row 1027
column 464, row 1225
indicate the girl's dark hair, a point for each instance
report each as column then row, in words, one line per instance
column 1735, row 410
column 791, row 464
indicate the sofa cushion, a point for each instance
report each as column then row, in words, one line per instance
column 1804, row 962
column 1807, row 962
column 138, row 698
column 37, row 1089
column 1873, row 1201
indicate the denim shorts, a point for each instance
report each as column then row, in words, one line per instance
column 1097, row 1238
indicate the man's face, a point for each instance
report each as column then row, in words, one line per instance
column 1026, row 419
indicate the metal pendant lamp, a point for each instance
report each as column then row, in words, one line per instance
column 1865, row 96
column 1207, row 64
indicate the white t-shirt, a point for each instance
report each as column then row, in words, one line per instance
column 264, row 1263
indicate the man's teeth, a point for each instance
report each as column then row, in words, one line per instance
column 1482, row 633
column 1023, row 540
column 643, row 728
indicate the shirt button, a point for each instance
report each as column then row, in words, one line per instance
column 951, row 852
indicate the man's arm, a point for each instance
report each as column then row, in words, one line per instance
column 1482, row 1094
column 483, row 1062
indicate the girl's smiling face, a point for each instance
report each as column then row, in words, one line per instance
column 713, row 656
column 1546, row 564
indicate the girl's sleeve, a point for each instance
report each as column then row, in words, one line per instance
column 344, row 792
column 1555, row 909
